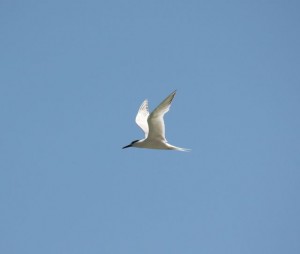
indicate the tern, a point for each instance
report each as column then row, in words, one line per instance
column 154, row 127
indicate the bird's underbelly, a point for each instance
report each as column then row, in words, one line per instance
column 154, row 144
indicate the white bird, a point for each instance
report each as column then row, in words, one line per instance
column 154, row 127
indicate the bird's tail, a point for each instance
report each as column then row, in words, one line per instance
column 178, row 148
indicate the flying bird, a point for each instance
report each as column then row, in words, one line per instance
column 154, row 127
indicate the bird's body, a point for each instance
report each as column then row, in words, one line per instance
column 154, row 127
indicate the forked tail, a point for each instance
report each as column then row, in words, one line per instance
column 179, row 148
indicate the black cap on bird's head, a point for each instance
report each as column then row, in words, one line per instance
column 130, row 144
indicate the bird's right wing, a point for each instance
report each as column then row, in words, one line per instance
column 142, row 116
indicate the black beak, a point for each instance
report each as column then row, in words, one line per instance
column 126, row 146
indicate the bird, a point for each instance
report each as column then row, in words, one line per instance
column 154, row 127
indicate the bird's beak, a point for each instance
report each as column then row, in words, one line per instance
column 126, row 146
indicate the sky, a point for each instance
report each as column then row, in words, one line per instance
column 73, row 75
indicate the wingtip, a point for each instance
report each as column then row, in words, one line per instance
column 172, row 95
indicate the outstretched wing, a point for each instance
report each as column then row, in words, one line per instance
column 156, row 119
column 142, row 116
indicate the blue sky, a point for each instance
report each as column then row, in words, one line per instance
column 73, row 74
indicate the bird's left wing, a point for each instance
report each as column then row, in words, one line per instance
column 156, row 119
column 142, row 116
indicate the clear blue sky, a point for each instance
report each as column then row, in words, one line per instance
column 73, row 74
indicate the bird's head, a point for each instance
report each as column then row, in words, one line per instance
column 131, row 144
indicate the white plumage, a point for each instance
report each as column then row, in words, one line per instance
column 153, row 126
